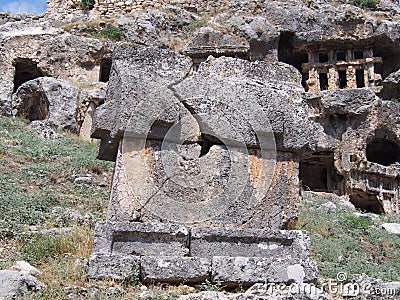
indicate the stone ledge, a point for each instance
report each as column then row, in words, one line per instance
column 141, row 239
column 209, row 242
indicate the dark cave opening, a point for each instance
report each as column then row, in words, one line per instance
column 360, row 78
column 358, row 54
column 323, row 81
column 342, row 79
column 367, row 202
column 323, row 57
column 288, row 53
column 341, row 56
column 25, row 70
column 384, row 152
column 316, row 173
column 35, row 107
column 105, row 69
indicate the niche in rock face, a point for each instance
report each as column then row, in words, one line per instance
column 290, row 54
column 382, row 151
column 367, row 202
column 105, row 70
column 316, row 172
column 35, row 106
column 25, row 70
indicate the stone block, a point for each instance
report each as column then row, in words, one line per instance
column 141, row 239
column 209, row 242
column 175, row 269
column 114, row 266
column 250, row 270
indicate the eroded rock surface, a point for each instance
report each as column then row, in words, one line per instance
column 54, row 101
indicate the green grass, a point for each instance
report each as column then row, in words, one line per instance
column 342, row 242
column 38, row 174
column 95, row 28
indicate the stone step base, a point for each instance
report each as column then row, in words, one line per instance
column 155, row 252
column 228, row 271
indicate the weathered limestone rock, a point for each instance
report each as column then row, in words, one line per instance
column 248, row 243
column 26, row 268
column 175, row 269
column 393, row 228
column 328, row 207
column 187, row 98
column 6, row 88
column 49, row 99
column 127, row 90
column 89, row 100
column 36, row 49
column 13, row 283
column 116, row 267
column 262, row 36
column 208, row 41
column 166, row 28
column 391, row 86
column 248, row 270
column 142, row 239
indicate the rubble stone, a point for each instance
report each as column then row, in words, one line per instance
column 14, row 283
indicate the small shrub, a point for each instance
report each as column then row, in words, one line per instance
column 212, row 287
column 197, row 24
column 395, row 100
column 365, row 4
column 109, row 32
column 87, row 4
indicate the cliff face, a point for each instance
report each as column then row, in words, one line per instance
column 346, row 59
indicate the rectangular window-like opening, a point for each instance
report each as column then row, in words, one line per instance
column 341, row 56
column 323, row 57
column 360, row 78
column 378, row 68
column 316, row 173
column 358, row 54
column 105, row 69
column 342, row 79
column 323, row 81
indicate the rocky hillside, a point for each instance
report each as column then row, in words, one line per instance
column 54, row 190
column 325, row 73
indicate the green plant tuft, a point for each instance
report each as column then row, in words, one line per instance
column 364, row 4
column 87, row 4
column 395, row 100
column 109, row 32
column 197, row 24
